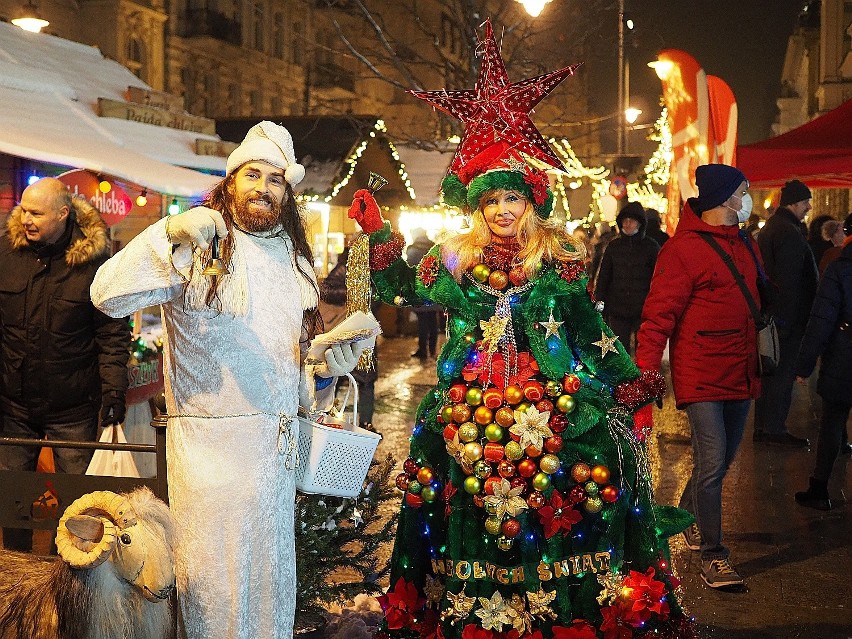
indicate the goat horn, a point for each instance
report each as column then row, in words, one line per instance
column 80, row 552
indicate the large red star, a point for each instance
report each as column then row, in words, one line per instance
column 497, row 109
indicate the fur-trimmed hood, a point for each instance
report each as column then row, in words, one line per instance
column 81, row 250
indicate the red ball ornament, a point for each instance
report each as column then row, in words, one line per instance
column 519, row 482
column 609, row 494
column 498, row 280
column 513, row 394
column 571, row 383
column 511, row 528
column 532, row 451
column 402, row 481
column 483, row 415
column 450, row 431
column 494, row 451
column 536, row 500
column 544, row 406
column 533, row 390
column 412, row 500
column 558, row 423
column 577, row 495
column 517, row 277
column 553, row 444
column 527, row 468
column 425, row 476
column 456, row 393
column 410, row 466
column 492, row 398
column 490, row 482
column 506, row 469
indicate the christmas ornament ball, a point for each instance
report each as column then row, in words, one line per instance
column 544, row 406
column 494, row 452
column 472, row 485
column 549, row 464
column 571, row 384
column 450, row 432
column 425, row 475
column 492, row 398
column 553, row 444
column 504, row 543
column 593, row 505
column 609, row 494
column 511, row 528
column 480, row 272
column 468, row 432
column 591, row 488
column 527, row 468
column 410, row 466
column 558, row 423
column 414, row 487
column 532, row 452
column 523, row 407
column 490, row 483
column 493, row 525
column 473, row 397
column 541, row 481
column 402, row 481
column 498, row 279
column 566, row 403
column 491, row 507
column 461, row 413
column 447, row 413
column 494, row 432
column 506, row 469
column 429, row 494
column 482, row 469
column 536, row 500
column 513, row 451
column 533, row 390
column 600, row 474
column 517, row 276
column 553, row 388
column 483, row 415
column 413, row 501
column 513, row 394
column 504, row 416
column 456, row 393
column 577, row 494
column 519, row 482
column 473, row 451
column 581, row 472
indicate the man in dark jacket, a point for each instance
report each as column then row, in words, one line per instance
column 654, row 229
column 696, row 304
column 829, row 334
column 427, row 315
column 791, row 268
column 62, row 359
column 625, row 274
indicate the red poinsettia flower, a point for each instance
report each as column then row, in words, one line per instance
column 613, row 626
column 558, row 514
column 429, row 626
column 427, row 270
column 400, row 604
column 535, row 634
column 644, row 596
column 539, row 183
column 472, row 631
column 570, row 271
column 579, row 629
column 526, row 365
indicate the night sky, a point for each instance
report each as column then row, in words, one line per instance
column 741, row 41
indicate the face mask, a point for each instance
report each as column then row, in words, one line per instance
column 745, row 208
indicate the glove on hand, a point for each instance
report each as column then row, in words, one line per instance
column 643, row 422
column 197, row 226
column 340, row 359
column 365, row 211
column 112, row 410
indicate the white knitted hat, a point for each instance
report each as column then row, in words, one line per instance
column 270, row 143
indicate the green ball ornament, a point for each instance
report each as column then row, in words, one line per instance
column 553, row 388
column 505, row 543
column 473, row 397
column 591, row 488
column 472, row 485
column 493, row 525
column 513, row 451
column 593, row 504
column 523, row 407
column 541, row 481
column 414, row 487
column 480, row 273
column 494, row 432
column 566, row 403
column 429, row 494
column 482, row 469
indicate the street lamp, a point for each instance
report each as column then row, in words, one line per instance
column 29, row 19
column 631, row 114
column 534, row 7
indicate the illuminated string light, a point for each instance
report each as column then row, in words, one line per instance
column 142, row 198
column 105, row 186
column 174, row 207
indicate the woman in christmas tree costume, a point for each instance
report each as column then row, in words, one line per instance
column 528, row 510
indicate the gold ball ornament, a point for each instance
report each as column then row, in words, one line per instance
column 498, row 279
column 472, row 485
column 494, row 432
column 425, row 475
column 600, row 474
column 447, row 414
column 553, row 388
column 581, row 472
column 541, row 482
column 513, row 451
column 480, row 273
column 399, row 300
column 513, row 394
column 523, row 407
column 473, row 397
column 565, row 403
column 505, row 543
column 504, row 416
column 593, row 504
column 549, row 464
column 493, row 525
column 468, row 432
column 482, row 469
column 483, row 415
column 473, row 451
column 491, row 507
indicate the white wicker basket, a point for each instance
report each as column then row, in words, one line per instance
column 335, row 461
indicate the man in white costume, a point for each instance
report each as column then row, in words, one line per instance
column 234, row 377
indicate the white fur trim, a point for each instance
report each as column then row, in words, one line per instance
column 294, row 174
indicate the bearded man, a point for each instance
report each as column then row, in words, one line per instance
column 234, row 376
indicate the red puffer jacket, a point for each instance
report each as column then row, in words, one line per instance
column 695, row 302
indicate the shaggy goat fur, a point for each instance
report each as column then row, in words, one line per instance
column 43, row 598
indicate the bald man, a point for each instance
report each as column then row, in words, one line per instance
column 61, row 360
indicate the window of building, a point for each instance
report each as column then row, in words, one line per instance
column 256, row 102
column 278, row 35
column 136, row 57
column 298, row 43
column 234, row 99
column 275, row 105
column 450, row 35
column 257, row 26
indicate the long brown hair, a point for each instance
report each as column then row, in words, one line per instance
column 221, row 198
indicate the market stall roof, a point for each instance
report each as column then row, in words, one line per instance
column 338, row 153
column 426, row 168
column 819, row 153
column 49, row 90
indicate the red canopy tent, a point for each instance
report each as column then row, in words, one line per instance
column 819, row 153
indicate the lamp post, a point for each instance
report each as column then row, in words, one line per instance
column 29, row 19
column 534, row 7
column 621, row 104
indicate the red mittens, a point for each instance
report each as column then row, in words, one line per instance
column 365, row 211
column 643, row 422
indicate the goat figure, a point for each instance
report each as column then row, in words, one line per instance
column 113, row 581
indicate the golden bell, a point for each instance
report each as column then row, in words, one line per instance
column 375, row 182
column 215, row 267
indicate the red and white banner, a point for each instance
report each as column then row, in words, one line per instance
column 723, row 113
column 114, row 205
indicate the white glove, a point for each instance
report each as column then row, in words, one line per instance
column 196, row 227
column 340, row 359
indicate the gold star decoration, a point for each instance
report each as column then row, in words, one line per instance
column 551, row 326
column 611, row 587
column 506, row 499
column 531, row 426
column 434, row 590
column 606, row 344
column 540, row 603
column 515, row 164
column 461, row 606
column 455, row 449
column 492, row 332
column 517, row 610
column 494, row 612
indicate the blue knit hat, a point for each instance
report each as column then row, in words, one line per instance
column 716, row 183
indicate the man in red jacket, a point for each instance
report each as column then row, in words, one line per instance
column 696, row 303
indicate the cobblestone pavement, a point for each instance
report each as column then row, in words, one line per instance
column 796, row 561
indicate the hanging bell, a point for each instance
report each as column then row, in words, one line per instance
column 215, row 267
column 375, row 182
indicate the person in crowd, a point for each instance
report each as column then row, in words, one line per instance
column 654, row 229
column 835, row 232
column 828, row 335
column 605, row 233
column 63, row 360
column 427, row 314
column 332, row 308
column 522, row 329
column 791, row 268
column 696, row 304
column 625, row 274
column 752, row 225
column 235, row 376
column 818, row 243
column 581, row 238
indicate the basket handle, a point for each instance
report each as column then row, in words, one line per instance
column 353, row 386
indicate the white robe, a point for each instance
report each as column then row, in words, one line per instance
column 229, row 380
